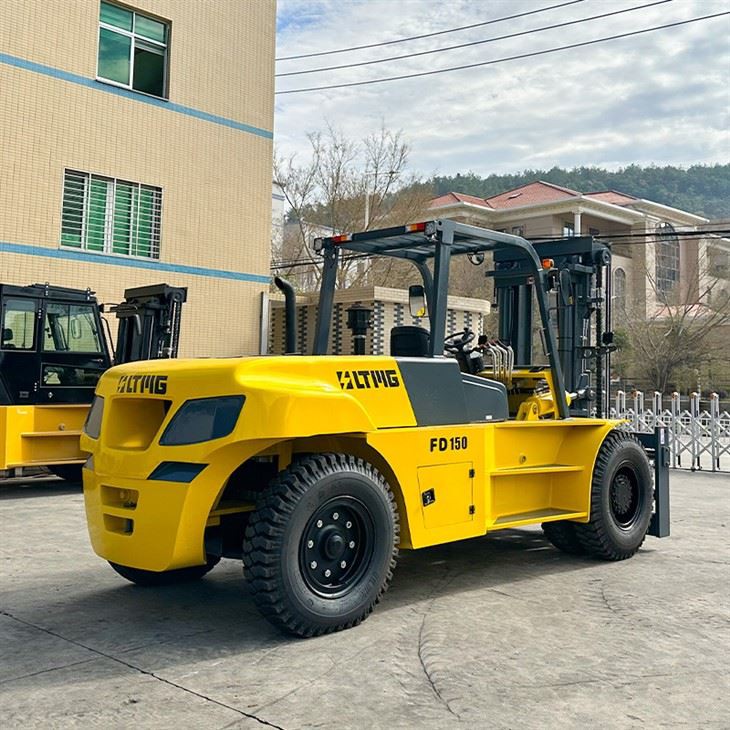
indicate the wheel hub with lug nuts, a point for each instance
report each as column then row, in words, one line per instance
column 336, row 546
column 624, row 499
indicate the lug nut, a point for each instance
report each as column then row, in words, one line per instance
column 352, row 543
column 335, row 515
column 327, row 573
column 348, row 524
column 319, row 523
column 310, row 543
column 343, row 564
column 313, row 564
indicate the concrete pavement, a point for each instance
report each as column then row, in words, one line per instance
column 498, row 632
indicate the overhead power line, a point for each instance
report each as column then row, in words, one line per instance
column 430, row 35
column 519, row 56
column 474, row 43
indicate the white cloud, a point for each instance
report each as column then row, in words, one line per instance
column 660, row 98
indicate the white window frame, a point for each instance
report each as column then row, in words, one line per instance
column 165, row 47
column 667, row 260
column 108, row 250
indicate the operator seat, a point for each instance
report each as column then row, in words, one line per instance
column 7, row 337
column 409, row 341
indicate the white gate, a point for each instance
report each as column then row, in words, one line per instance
column 697, row 438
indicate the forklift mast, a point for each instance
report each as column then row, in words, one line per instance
column 149, row 323
column 577, row 268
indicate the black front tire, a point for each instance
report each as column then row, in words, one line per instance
column 621, row 499
column 150, row 578
column 321, row 545
column 563, row 535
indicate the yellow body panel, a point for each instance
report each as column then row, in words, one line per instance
column 450, row 482
column 524, row 473
column 41, row 435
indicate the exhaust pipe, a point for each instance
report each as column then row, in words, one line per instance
column 290, row 309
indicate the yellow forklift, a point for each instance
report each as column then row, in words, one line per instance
column 315, row 469
column 54, row 348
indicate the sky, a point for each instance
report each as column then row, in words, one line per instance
column 656, row 98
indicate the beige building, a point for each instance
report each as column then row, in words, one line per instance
column 136, row 148
column 657, row 256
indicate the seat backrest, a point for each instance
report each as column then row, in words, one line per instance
column 409, row 341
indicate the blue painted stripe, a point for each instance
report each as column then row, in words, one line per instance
column 57, row 73
column 151, row 264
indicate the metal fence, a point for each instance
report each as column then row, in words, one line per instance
column 699, row 438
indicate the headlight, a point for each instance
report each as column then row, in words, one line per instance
column 203, row 419
column 92, row 424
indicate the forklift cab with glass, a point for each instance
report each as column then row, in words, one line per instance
column 53, row 351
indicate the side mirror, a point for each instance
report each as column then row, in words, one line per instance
column 417, row 300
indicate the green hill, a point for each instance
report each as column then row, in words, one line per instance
column 700, row 189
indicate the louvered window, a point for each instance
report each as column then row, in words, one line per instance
column 110, row 216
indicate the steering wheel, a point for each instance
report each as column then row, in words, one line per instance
column 458, row 341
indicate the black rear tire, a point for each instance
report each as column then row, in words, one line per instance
column 621, row 499
column 563, row 536
column 321, row 545
column 149, row 578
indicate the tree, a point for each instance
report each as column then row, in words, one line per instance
column 684, row 335
column 346, row 186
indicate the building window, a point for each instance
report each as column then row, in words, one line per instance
column 133, row 50
column 593, row 232
column 110, row 216
column 518, row 230
column 568, row 229
column 667, row 260
column 619, row 289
